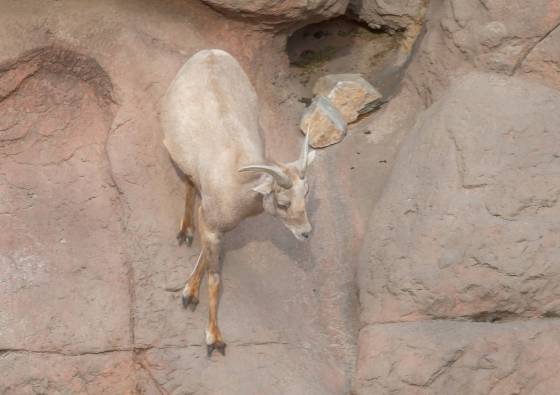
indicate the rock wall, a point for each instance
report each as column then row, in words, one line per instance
column 467, row 230
column 432, row 265
column 458, row 278
column 90, row 205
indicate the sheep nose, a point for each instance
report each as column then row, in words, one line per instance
column 305, row 235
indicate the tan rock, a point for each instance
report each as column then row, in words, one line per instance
column 279, row 12
column 396, row 15
column 324, row 123
column 462, row 358
column 103, row 373
column 349, row 93
column 468, row 225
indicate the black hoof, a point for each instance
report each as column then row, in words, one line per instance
column 188, row 240
column 218, row 346
column 181, row 237
column 189, row 300
column 184, row 238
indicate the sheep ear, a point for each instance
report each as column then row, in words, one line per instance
column 264, row 188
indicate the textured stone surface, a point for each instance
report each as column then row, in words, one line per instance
column 468, row 223
column 323, row 122
column 542, row 62
column 90, row 270
column 241, row 371
column 348, row 93
column 90, row 267
column 487, row 36
column 273, row 11
column 62, row 244
column 462, row 358
column 395, row 15
column 25, row 373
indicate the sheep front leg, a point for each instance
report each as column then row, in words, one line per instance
column 209, row 259
column 186, row 228
column 213, row 336
column 211, row 251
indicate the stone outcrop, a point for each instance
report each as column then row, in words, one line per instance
column 448, row 357
column 275, row 12
column 90, row 270
column 348, row 93
column 466, row 229
column 338, row 101
column 393, row 15
column 454, row 231
column 458, row 269
column 486, row 148
column 488, row 36
column 323, row 122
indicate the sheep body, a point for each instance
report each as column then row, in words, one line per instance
column 210, row 120
column 209, row 116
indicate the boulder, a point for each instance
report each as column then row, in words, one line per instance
column 487, row 36
column 324, row 123
column 394, row 15
column 467, row 230
column 273, row 11
column 467, row 226
column 349, row 93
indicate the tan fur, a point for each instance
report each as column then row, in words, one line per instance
column 186, row 228
column 209, row 116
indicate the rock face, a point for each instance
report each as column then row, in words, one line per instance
column 323, row 122
column 273, row 11
column 456, row 240
column 50, row 165
column 487, row 148
column 394, row 15
column 348, row 93
column 90, row 270
column 487, row 36
column 467, row 228
column 459, row 288
column 447, row 357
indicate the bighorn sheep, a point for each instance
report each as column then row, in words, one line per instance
column 210, row 120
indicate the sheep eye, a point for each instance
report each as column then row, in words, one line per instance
column 284, row 205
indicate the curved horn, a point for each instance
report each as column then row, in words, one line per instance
column 281, row 178
column 303, row 155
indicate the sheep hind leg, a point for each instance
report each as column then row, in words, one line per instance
column 189, row 295
column 186, row 228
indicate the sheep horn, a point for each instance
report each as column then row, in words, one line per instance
column 303, row 155
column 281, row 178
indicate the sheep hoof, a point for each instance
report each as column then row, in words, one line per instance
column 185, row 238
column 220, row 346
column 189, row 240
column 181, row 237
column 189, row 300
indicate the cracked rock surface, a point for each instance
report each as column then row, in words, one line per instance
column 458, row 277
column 432, row 268
column 499, row 165
column 442, row 357
column 90, row 203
